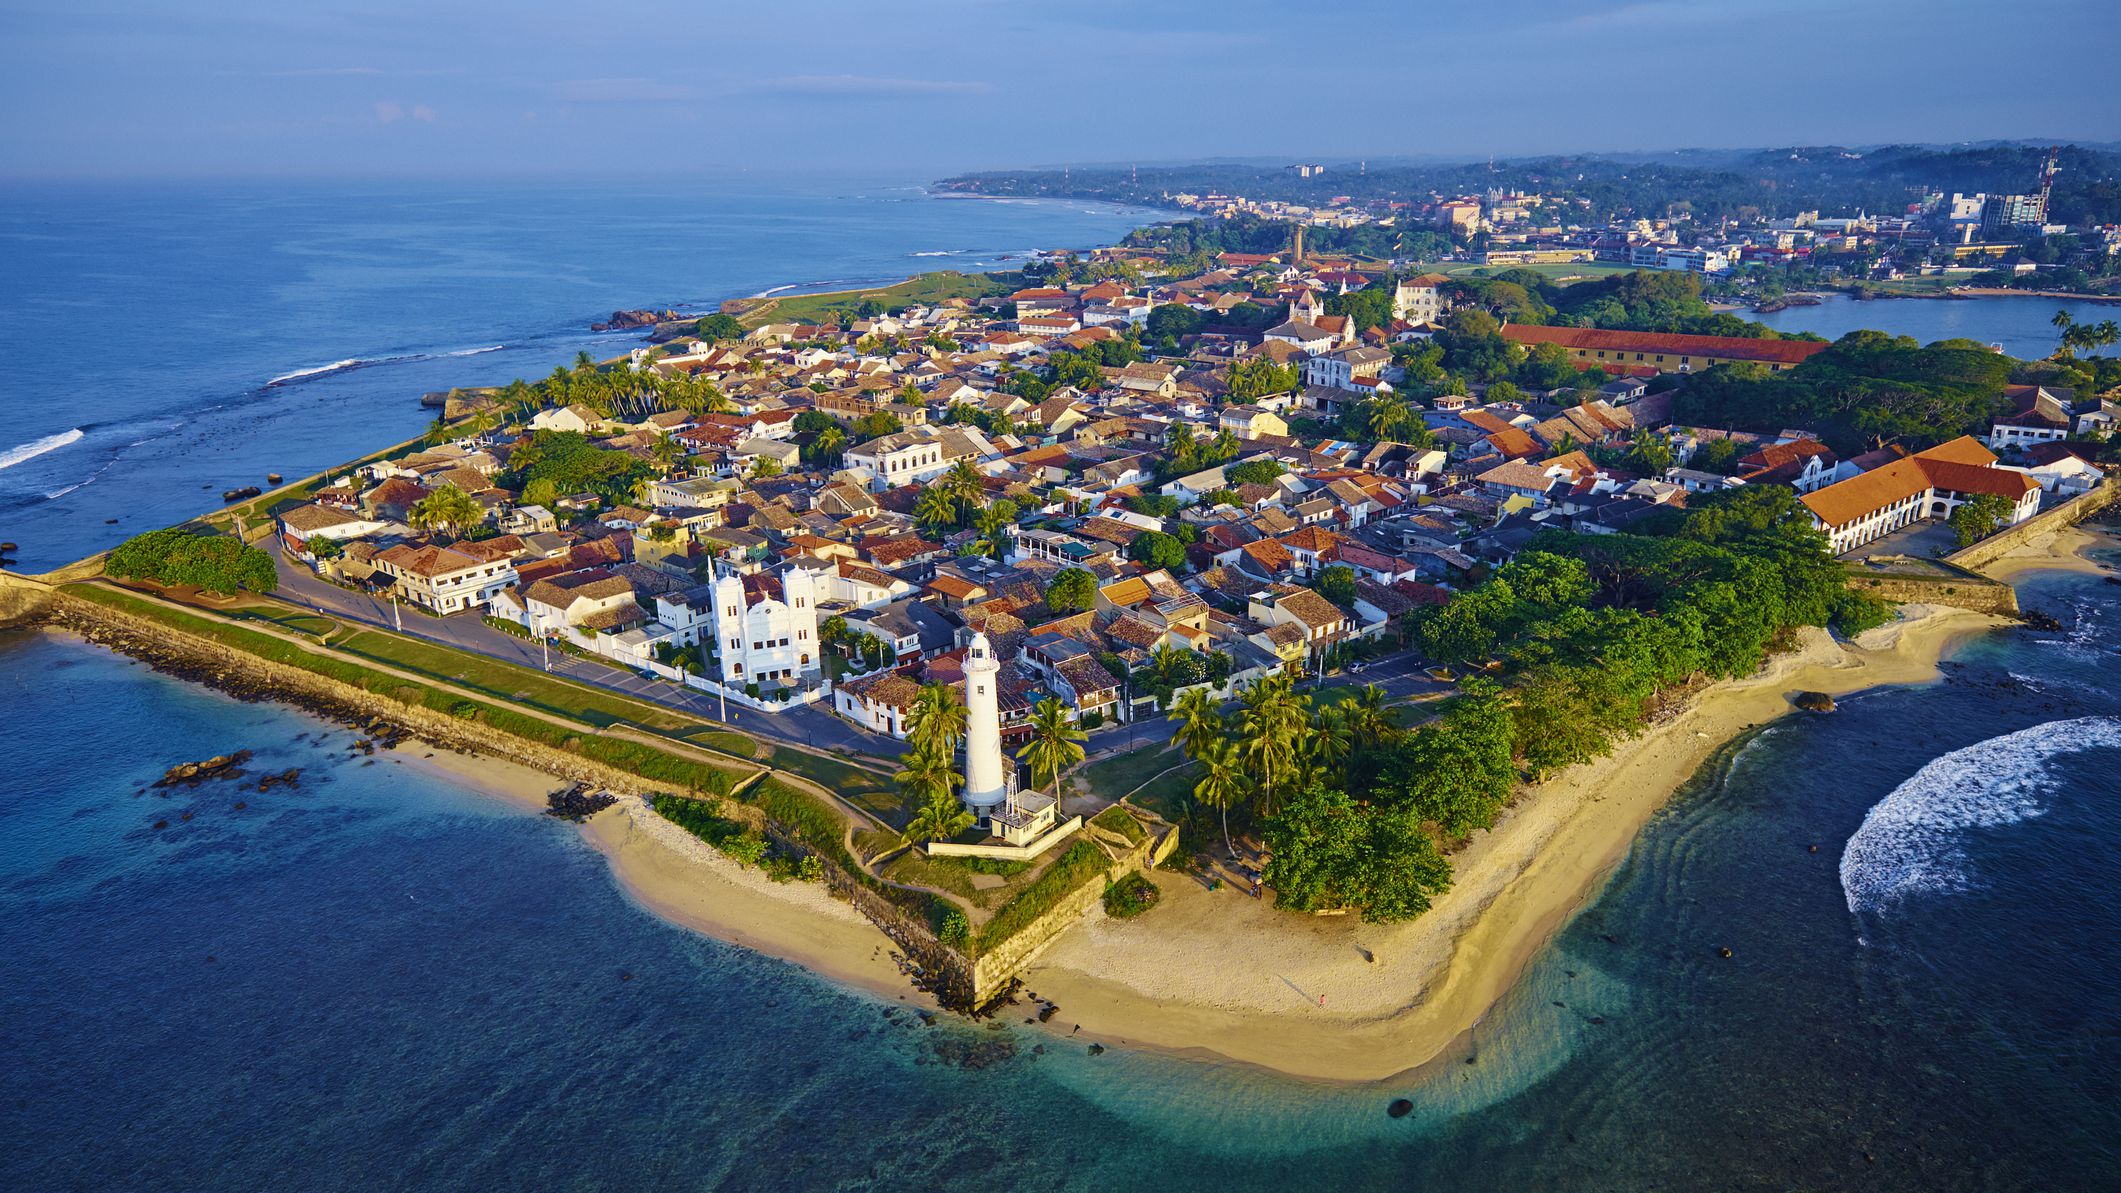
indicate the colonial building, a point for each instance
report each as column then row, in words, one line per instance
column 766, row 628
column 1928, row 484
column 1632, row 351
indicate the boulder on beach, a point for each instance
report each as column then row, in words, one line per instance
column 1814, row 702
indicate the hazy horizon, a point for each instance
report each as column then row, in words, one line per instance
column 125, row 89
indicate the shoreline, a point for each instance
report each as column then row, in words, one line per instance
column 1166, row 984
column 684, row 881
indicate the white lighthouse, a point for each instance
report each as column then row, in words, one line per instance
column 985, row 787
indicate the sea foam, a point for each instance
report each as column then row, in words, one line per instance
column 1912, row 842
column 37, row 447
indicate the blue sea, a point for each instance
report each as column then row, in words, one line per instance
column 377, row 979
column 2022, row 325
column 159, row 345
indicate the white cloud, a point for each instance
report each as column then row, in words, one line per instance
column 388, row 112
column 621, row 91
column 867, row 85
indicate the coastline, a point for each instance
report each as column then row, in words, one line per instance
column 681, row 879
column 1167, row 983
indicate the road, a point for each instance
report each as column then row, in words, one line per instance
column 1400, row 675
column 806, row 726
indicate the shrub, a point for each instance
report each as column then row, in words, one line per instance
column 1130, row 896
column 956, row 930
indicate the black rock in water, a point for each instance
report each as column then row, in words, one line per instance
column 2036, row 619
column 1400, row 1108
column 1815, row 702
column 578, row 803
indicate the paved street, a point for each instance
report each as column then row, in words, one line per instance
column 811, row 726
column 1399, row 675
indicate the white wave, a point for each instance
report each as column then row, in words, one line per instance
column 476, row 351
column 774, row 291
column 1911, row 843
column 318, row 371
column 940, row 253
column 37, row 447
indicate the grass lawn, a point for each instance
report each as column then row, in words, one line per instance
column 287, row 619
column 517, row 685
column 870, row 790
column 1403, row 713
column 658, row 766
column 925, row 288
column 1115, row 776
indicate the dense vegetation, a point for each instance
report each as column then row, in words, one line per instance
column 1706, row 184
column 556, row 463
column 212, row 563
column 1867, row 388
column 1589, row 635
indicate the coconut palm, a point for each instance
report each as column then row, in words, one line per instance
column 448, row 509
column 2061, row 319
column 1055, row 745
column 1366, row 714
column 1199, row 722
column 938, row 819
column 924, row 776
column 963, row 483
column 1222, row 781
column 937, row 721
column 1272, row 720
column 936, row 509
column 1328, row 743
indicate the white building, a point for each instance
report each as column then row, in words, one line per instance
column 767, row 631
column 990, row 793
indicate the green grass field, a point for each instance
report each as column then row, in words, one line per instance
column 870, row 790
column 925, row 288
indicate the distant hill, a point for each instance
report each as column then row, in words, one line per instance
column 1712, row 183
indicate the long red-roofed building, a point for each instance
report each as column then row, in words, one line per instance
column 1624, row 351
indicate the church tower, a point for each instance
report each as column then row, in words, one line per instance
column 729, row 624
column 985, row 788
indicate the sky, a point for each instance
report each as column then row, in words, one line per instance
column 415, row 88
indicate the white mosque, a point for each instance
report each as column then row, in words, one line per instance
column 991, row 794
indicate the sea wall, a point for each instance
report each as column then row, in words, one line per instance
column 22, row 599
column 997, row 968
column 250, row 677
column 2062, row 517
column 1970, row 591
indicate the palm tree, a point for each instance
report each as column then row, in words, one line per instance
column 1199, row 722
column 2061, row 319
column 939, row 818
column 1366, row 715
column 924, row 776
column 937, row 721
column 447, row 509
column 828, row 445
column 1328, row 743
column 1055, row 745
column 936, row 508
column 1222, row 782
column 1272, row 718
column 963, row 483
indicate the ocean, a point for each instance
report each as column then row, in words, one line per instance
column 162, row 344
column 379, row 979
column 2021, row 324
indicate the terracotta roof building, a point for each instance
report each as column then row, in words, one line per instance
column 1667, row 353
column 1928, row 484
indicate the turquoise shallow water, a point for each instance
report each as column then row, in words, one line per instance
column 379, row 980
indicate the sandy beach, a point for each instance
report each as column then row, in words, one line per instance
column 1168, row 980
column 684, row 880
column 2058, row 551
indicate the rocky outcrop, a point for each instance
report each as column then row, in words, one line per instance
column 629, row 320
column 1814, row 702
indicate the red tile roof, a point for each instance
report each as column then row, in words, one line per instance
column 1723, row 347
